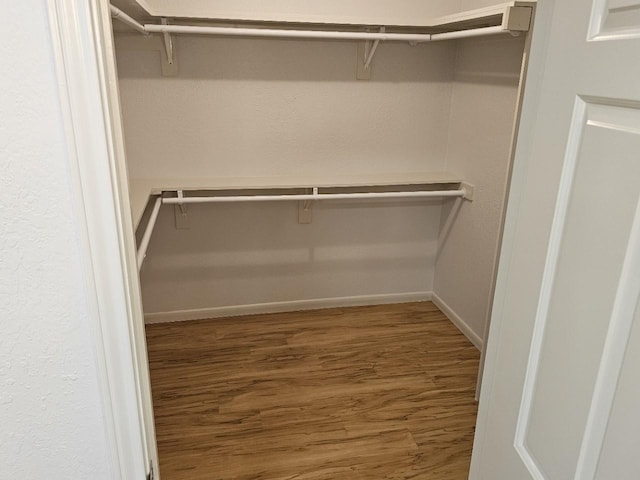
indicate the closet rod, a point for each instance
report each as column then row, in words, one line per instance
column 126, row 19
column 314, row 34
column 146, row 238
column 318, row 34
column 317, row 196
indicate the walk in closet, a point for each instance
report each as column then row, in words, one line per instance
column 291, row 157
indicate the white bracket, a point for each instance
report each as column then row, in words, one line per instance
column 305, row 215
column 181, row 214
column 370, row 50
column 169, row 60
column 365, row 54
column 183, row 207
column 517, row 19
column 468, row 190
column 168, row 44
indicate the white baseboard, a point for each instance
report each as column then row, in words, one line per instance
column 457, row 321
column 289, row 306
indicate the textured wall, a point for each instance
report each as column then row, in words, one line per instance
column 482, row 115
column 243, row 107
column 50, row 411
column 270, row 107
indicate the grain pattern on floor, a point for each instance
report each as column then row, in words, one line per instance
column 382, row 392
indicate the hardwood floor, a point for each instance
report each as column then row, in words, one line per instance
column 382, row 392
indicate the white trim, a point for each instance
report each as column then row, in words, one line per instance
column 81, row 48
column 287, row 306
column 457, row 320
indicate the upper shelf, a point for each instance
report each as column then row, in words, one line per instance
column 512, row 17
column 142, row 189
column 400, row 15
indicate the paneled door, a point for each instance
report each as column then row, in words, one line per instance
column 561, row 392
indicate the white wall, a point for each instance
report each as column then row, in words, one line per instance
column 247, row 254
column 271, row 107
column 242, row 107
column 50, row 409
column 482, row 116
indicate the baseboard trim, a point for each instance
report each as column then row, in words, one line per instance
column 457, row 320
column 289, row 306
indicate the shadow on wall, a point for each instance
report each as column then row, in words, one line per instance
column 475, row 62
column 238, row 254
column 217, row 58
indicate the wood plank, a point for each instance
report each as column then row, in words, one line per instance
column 363, row 392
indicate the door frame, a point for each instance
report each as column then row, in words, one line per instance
column 84, row 54
column 83, row 49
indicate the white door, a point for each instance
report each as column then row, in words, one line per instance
column 561, row 393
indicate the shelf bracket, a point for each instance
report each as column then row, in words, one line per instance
column 517, row 19
column 181, row 214
column 468, row 190
column 183, row 207
column 305, row 214
column 168, row 45
column 366, row 51
column 370, row 50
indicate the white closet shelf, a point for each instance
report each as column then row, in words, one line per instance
column 142, row 189
column 512, row 16
column 197, row 13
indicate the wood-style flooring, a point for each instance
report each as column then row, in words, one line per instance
column 381, row 392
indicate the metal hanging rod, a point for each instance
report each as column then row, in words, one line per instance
column 464, row 192
column 127, row 20
column 312, row 34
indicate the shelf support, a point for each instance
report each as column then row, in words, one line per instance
column 467, row 190
column 180, row 202
column 168, row 45
column 370, row 50
column 517, row 19
column 305, row 215
column 146, row 237
column 180, row 213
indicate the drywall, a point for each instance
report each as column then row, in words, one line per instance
column 482, row 117
column 246, row 254
column 242, row 107
column 50, row 408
